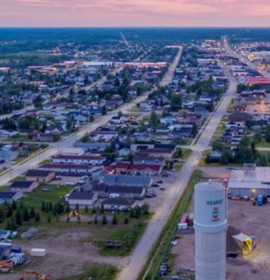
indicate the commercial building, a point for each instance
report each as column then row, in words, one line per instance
column 249, row 182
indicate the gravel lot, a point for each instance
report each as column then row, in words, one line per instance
column 251, row 220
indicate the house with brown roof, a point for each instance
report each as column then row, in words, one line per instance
column 42, row 176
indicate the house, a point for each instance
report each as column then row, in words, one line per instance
column 23, row 186
column 126, row 192
column 138, row 169
column 83, row 159
column 68, row 169
column 81, row 198
column 5, row 133
column 137, row 159
column 157, row 152
column 124, row 180
column 9, row 197
column 239, row 108
column 42, row 176
column 4, row 234
column 124, row 152
column 122, row 204
column 239, row 117
column 169, row 120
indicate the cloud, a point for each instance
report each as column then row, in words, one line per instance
column 134, row 12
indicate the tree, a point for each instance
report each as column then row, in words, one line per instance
column 37, row 217
column 43, row 207
column 18, row 217
column 126, row 221
column 253, row 147
column 145, row 209
column 50, row 207
column 104, row 219
column 258, row 136
column 117, row 82
column 94, row 210
column 114, row 220
column 2, row 214
column 86, row 209
column 69, row 124
column 67, row 208
column 153, row 120
column 8, row 226
column 176, row 102
column 138, row 212
column 101, row 209
column 131, row 213
column 14, row 205
column 9, row 211
column 208, row 159
column 77, row 207
column 142, row 126
column 26, row 216
column 91, row 118
column 244, row 142
column 224, row 159
column 104, row 110
column 267, row 133
column 217, row 145
column 95, row 220
column 85, row 138
column 49, row 218
column 194, row 130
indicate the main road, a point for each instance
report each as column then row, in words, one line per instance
column 18, row 169
column 173, row 194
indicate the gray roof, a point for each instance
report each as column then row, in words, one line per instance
column 7, row 195
column 118, row 201
column 81, row 195
column 21, row 184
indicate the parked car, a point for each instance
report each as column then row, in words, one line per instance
column 58, row 177
column 155, row 185
column 69, row 184
column 162, row 188
column 159, row 182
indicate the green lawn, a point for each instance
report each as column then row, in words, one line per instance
column 220, row 129
column 96, row 272
column 18, row 138
column 177, row 167
column 186, row 153
column 262, row 144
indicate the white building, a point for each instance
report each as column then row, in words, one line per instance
column 249, row 182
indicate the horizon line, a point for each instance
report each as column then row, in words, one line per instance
column 130, row 27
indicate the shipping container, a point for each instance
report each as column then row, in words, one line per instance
column 38, row 252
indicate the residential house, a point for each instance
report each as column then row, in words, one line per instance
column 124, row 152
column 81, row 198
column 68, row 169
column 126, row 192
column 83, row 159
column 138, row 169
column 42, row 176
column 124, row 180
column 137, row 159
column 9, row 197
column 122, row 204
column 239, row 117
column 23, row 186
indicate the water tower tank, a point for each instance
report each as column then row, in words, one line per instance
column 210, row 224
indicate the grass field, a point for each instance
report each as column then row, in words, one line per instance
column 96, row 272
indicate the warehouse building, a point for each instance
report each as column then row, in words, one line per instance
column 249, row 182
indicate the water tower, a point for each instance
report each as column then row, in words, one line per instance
column 210, row 224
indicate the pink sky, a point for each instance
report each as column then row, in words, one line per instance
column 94, row 13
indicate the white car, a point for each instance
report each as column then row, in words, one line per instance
column 69, row 184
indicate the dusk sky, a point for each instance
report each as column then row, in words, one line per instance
column 95, row 13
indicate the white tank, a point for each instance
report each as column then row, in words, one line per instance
column 210, row 224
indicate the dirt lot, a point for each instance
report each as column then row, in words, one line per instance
column 251, row 220
column 67, row 253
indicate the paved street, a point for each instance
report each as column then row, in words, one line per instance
column 140, row 254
